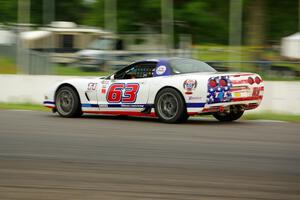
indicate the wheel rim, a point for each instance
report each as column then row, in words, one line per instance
column 167, row 105
column 65, row 102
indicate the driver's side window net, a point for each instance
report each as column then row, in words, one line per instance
column 139, row 70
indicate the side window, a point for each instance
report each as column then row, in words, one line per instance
column 146, row 70
column 67, row 42
column 137, row 70
column 119, row 44
column 131, row 73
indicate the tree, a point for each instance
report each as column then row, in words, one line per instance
column 206, row 20
column 8, row 10
column 256, row 22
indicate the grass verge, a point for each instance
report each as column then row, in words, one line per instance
column 251, row 116
column 7, row 66
column 9, row 106
column 75, row 71
column 272, row 116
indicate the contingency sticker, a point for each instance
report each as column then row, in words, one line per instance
column 189, row 84
column 161, row 70
column 92, row 86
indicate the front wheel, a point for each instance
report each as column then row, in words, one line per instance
column 67, row 102
column 233, row 114
column 170, row 106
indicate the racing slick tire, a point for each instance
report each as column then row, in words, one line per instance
column 67, row 102
column 234, row 114
column 170, row 106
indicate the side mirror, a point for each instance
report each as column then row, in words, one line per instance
column 112, row 77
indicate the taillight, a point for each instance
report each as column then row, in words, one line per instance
column 212, row 83
column 223, row 82
column 257, row 80
column 250, row 80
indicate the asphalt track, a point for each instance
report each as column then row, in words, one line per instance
column 43, row 156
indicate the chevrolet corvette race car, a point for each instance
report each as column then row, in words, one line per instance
column 171, row 89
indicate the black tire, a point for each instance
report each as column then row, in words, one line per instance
column 170, row 106
column 67, row 102
column 234, row 114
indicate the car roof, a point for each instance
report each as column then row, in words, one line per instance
column 158, row 59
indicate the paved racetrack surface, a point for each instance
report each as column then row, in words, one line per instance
column 43, row 156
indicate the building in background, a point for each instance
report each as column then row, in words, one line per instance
column 60, row 39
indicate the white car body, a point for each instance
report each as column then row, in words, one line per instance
column 194, row 87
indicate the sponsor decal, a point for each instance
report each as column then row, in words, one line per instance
column 161, row 70
column 92, row 86
column 105, row 82
column 103, row 89
column 132, row 106
column 255, row 92
column 189, row 84
column 194, row 98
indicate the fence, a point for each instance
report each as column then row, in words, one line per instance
column 28, row 61
column 34, row 62
column 41, row 63
column 9, row 51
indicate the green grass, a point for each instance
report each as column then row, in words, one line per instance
column 7, row 66
column 272, row 116
column 25, row 106
column 251, row 116
column 75, row 71
column 269, row 78
column 223, row 53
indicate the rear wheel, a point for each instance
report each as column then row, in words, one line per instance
column 67, row 102
column 233, row 114
column 170, row 106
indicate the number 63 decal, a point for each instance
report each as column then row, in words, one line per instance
column 121, row 92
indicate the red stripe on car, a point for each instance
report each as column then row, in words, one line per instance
column 247, row 98
column 127, row 113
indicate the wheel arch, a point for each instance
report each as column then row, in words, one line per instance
column 69, row 85
column 172, row 88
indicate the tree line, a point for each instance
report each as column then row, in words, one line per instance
column 264, row 21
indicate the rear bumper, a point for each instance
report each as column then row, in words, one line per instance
column 245, row 105
column 235, row 90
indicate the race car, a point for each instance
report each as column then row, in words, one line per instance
column 170, row 89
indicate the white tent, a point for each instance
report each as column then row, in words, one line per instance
column 7, row 37
column 290, row 46
column 35, row 39
column 34, row 35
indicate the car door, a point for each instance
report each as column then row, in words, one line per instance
column 128, row 89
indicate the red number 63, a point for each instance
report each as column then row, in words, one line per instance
column 116, row 95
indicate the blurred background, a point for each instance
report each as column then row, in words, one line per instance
column 43, row 156
column 95, row 37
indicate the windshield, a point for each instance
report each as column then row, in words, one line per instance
column 101, row 44
column 181, row 66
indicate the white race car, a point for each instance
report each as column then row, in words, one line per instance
column 171, row 89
